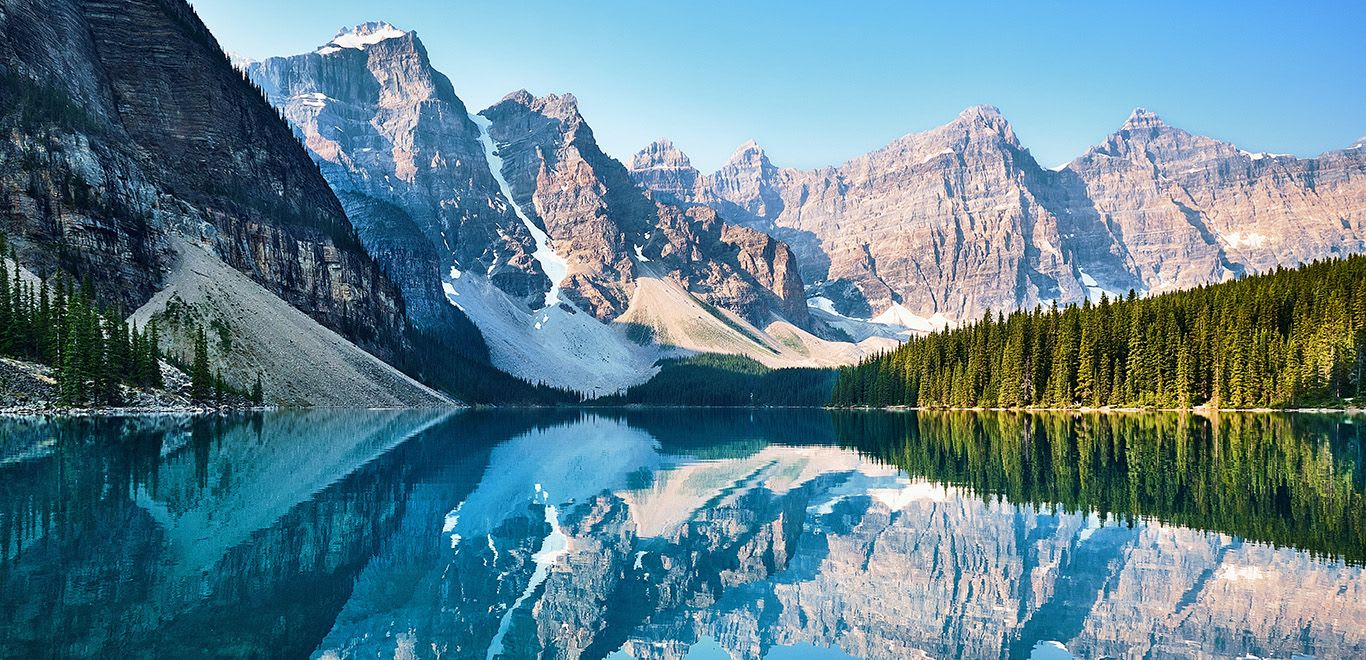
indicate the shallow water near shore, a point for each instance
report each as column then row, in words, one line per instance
column 683, row 533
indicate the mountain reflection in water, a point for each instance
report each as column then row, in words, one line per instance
column 656, row 534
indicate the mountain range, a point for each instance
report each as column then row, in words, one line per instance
column 370, row 238
column 961, row 220
column 574, row 275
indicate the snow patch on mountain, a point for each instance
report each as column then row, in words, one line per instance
column 361, row 36
column 554, row 266
column 935, row 156
column 897, row 314
column 822, row 303
column 558, row 345
column 1259, row 155
column 1250, row 239
column 859, row 330
column 1093, row 288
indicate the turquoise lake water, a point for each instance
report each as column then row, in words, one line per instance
column 683, row 534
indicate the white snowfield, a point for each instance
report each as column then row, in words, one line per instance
column 896, row 322
column 559, row 345
column 361, row 36
column 897, row 314
column 1094, row 290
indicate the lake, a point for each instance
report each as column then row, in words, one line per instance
column 683, row 534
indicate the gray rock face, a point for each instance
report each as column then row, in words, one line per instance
column 398, row 145
column 961, row 219
column 124, row 123
column 662, row 168
column 1190, row 210
column 597, row 218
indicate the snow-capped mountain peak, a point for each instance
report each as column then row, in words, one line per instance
column 240, row 61
column 361, row 36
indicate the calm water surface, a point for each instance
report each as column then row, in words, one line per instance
column 696, row 534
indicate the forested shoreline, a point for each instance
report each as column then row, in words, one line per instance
column 1287, row 480
column 726, row 381
column 1288, row 338
column 90, row 348
column 95, row 356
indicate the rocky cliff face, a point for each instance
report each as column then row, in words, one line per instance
column 1189, row 210
column 961, row 219
column 607, row 230
column 130, row 125
column 398, row 145
column 500, row 216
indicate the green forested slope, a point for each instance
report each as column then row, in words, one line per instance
column 1285, row 338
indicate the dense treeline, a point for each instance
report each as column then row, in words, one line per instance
column 712, row 379
column 1286, row 338
column 1290, row 480
column 440, row 363
column 91, row 349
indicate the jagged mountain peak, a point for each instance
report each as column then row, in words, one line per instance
column 662, row 145
column 520, row 97
column 986, row 117
column 1143, row 118
column 564, row 107
column 1146, row 136
column 748, row 155
column 526, row 98
column 661, row 154
column 748, row 148
column 981, row 111
column 979, row 124
column 362, row 36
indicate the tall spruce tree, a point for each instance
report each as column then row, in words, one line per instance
column 201, row 378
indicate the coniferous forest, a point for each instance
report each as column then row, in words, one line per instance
column 92, row 351
column 1290, row 337
column 1285, row 479
column 712, row 379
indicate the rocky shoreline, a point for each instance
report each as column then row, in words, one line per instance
column 30, row 389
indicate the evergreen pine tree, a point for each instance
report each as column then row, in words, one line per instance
column 201, row 379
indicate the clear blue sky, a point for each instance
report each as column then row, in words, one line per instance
column 818, row 82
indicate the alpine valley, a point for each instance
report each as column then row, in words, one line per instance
column 304, row 356
column 372, row 240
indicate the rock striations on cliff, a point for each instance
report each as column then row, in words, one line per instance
column 125, row 126
column 961, row 219
column 515, row 217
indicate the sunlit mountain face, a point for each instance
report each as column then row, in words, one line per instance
column 683, row 534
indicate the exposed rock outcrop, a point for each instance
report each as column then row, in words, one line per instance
column 960, row 219
column 129, row 125
column 516, row 220
column 388, row 129
column 598, row 218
